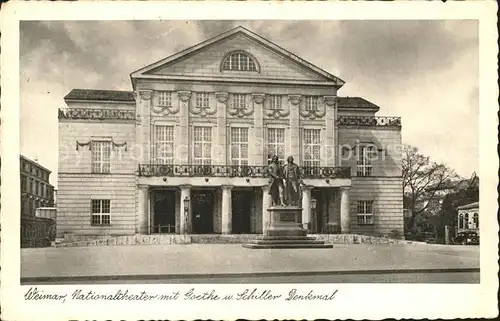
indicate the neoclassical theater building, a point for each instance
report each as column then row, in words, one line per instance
column 186, row 151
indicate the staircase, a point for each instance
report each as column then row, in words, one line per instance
column 287, row 242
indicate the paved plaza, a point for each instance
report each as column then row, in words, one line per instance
column 234, row 264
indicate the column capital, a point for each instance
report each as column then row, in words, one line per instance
column 184, row 95
column 258, row 98
column 227, row 187
column 345, row 188
column 330, row 100
column 307, row 187
column 144, row 94
column 294, row 99
column 265, row 187
column 221, row 96
column 185, row 186
column 141, row 186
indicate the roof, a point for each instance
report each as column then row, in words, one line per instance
column 100, row 95
column 356, row 103
column 35, row 163
column 468, row 206
column 238, row 30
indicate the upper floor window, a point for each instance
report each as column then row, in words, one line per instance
column 165, row 98
column 276, row 144
column 164, row 138
column 311, row 103
column 202, row 146
column 476, row 220
column 239, row 61
column 312, row 146
column 466, row 220
column 460, row 221
column 239, row 146
column 364, row 162
column 202, row 100
column 101, row 156
column 239, row 101
column 274, row 102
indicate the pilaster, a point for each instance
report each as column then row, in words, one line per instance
column 345, row 220
column 330, row 145
column 221, row 155
column 227, row 214
column 257, row 144
column 143, row 215
column 306, row 207
column 185, row 214
column 294, row 138
column 182, row 150
column 266, row 203
column 143, row 132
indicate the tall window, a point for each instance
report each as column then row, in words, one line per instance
column 164, row 139
column 202, row 146
column 476, row 220
column 164, row 98
column 101, row 156
column 239, row 61
column 275, row 102
column 364, row 162
column 312, row 146
column 460, row 221
column 466, row 220
column 23, row 183
column 239, row 146
column 101, row 212
column 365, row 212
column 276, row 144
column 311, row 103
column 240, row 101
column 202, row 100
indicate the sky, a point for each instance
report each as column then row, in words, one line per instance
column 424, row 71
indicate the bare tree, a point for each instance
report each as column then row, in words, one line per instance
column 422, row 181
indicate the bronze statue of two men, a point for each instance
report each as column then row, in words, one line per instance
column 284, row 183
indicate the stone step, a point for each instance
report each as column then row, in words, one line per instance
column 288, row 246
column 306, row 241
column 270, row 237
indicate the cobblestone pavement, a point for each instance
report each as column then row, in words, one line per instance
column 210, row 259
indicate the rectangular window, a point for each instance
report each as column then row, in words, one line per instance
column 312, row 146
column 101, row 156
column 202, row 145
column 311, row 103
column 239, row 101
column 101, row 212
column 274, row 102
column 23, row 183
column 42, row 190
column 365, row 212
column 364, row 161
column 202, row 100
column 276, row 144
column 165, row 98
column 239, row 146
column 164, row 138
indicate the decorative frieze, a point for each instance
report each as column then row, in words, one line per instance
column 97, row 114
column 165, row 110
column 369, row 121
column 184, row 95
column 89, row 144
column 240, row 110
column 319, row 110
column 200, row 108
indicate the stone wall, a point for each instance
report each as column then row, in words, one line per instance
column 37, row 231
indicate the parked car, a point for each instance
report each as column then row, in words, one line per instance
column 467, row 238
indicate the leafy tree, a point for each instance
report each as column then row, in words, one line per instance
column 422, row 181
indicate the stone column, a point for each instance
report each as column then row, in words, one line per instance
column 143, row 215
column 266, row 203
column 143, row 106
column 227, row 214
column 185, row 216
column 221, row 155
column 258, row 138
column 306, row 207
column 345, row 219
column 294, row 143
column 182, row 150
column 330, row 144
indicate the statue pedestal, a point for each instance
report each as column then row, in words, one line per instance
column 285, row 221
column 285, row 231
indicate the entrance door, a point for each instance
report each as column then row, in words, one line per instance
column 164, row 212
column 202, row 209
column 320, row 212
column 241, row 207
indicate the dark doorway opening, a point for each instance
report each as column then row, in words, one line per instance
column 320, row 212
column 202, row 211
column 241, row 210
column 164, row 212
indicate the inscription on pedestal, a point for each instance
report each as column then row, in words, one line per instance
column 287, row 217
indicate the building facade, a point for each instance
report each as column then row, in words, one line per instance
column 187, row 150
column 36, row 190
column 468, row 218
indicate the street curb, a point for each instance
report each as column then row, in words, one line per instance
column 132, row 277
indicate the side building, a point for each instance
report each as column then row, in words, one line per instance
column 36, row 190
column 187, row 150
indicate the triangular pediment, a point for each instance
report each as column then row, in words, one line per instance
column 205, row 60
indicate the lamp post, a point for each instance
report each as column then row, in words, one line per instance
column 186, row 213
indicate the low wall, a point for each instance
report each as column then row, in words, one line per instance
column 37, row 231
